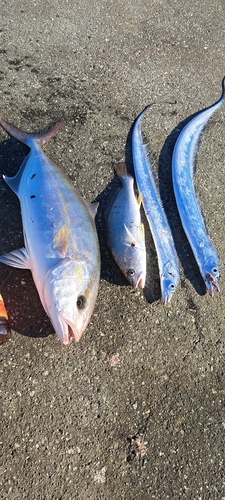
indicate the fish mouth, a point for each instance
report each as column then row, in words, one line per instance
column 69, row 330
column 211, row 284
column 140, row 282
column 166, row 298
column 167, row 293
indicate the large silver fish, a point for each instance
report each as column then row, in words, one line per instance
column 61, row 243
column 125, row 232
column 183, row 161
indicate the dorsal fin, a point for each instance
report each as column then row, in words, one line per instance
column 130, row 239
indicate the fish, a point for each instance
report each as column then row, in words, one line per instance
column 125, row 231
column 155, row 214
column 183, row 162
column 5, row 331
column 61, row 243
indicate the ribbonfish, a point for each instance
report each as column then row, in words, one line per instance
column 183, row 161
column 61, row 243
column 4, row 324
column 125, row 232
column 167, row 257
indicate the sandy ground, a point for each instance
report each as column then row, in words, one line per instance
column 135, row 410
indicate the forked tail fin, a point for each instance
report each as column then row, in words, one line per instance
column 26, row 137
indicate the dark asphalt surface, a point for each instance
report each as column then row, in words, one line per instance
column 135, row 410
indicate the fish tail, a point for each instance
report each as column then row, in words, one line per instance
column 120, row 169
column 26, row 137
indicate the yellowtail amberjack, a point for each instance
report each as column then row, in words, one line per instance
column 61, row 244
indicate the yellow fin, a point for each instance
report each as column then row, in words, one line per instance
column 139, row 200
column 61, row 240
column 142, row 229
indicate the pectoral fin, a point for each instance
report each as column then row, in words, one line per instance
column 61, row 240
column 129, row 239
column 17, row 258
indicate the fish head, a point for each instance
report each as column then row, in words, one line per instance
column 70, row 291
column 132, row 262
column 169, row 281
column 211, row 275
column 130, row 255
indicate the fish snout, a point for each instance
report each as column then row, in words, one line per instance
column 140, row 282
column 212, row 283
column 69, row 329
column 168, row 290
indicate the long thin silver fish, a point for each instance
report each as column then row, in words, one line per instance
column 183, row 161
column 61, row 243
column 167, row 257
column 125, row 232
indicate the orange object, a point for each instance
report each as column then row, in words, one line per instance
column 5, row 331
column 3, row 311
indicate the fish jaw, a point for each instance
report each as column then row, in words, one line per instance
column 139, row 281
column 69, row 328
column 211, row 283
column 210, row 273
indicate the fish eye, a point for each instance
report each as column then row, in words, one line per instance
column 130, row 273
column 81, row 302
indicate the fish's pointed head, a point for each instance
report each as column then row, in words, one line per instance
column 169, row 281
column 69, row 297
column 168, row 289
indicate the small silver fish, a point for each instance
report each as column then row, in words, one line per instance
column 183, row 161
column 155, row 214
column 61, row 243
column 125, row 232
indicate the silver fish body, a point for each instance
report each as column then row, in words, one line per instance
column 125, row 232
column 167, row 257
column 61, row 243
column 183, row 161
